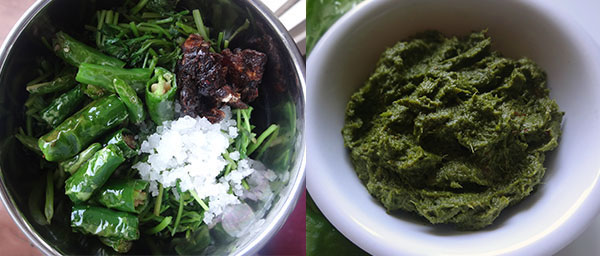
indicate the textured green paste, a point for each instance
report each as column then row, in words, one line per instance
column 451, row 130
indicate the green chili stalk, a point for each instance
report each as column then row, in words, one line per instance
column 200, row 25
column 29, row 142
column 134, row 29
column 61, row 83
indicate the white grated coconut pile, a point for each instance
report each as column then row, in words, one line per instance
column 190, row 150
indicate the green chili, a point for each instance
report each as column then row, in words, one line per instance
column 124, row 195
column 93, row 174
column 61, row 83
column 103, row 76
column 160, row 96
column 76, row 53
column 71, row 165
column 63, row 106
column 104, row 222
column 133, row 103
column 125, row 140
column 83, row 127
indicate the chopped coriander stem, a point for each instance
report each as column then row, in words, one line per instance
column 186, row 29
column 152, row 52
column 153, row 62
column 245, row 184
column 115, row 20
column 162, row 225
column 145, row 60
column 49, row 206
column 138, row 6
column 179, row 213
column 157, row 28
column 237, row 31
column 226, row 44
column 109, row 17
column 200, row 24
column 29, row 125
column 151, row 15
column 134, row 29
column 220, row 40
column 39, row 78
column 101, row 15
column 246, row 115
column 200, row 201
column 266, row 145
column 158, row 200
column 149, row 30
column 117, row 27
column 159, row 42
column 29, row 142
column 291, row 109
column 182, row 13
column 47, row 44
column 271, row 129
column 228, row 158
column 228, row 169
column 163, row 21
column 239, row 119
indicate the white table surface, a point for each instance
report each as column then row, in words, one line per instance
column 587, row 14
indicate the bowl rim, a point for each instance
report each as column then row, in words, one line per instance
column 297, row 187
column 557, row 236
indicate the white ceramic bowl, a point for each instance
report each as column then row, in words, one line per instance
column 562, row 206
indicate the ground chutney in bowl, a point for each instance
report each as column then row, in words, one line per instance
column 451, row 130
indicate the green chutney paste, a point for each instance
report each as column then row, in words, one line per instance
column 449, row 129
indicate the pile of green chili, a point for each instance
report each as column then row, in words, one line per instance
column 87, row 110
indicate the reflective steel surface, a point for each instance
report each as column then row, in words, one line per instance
column 283, row 82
